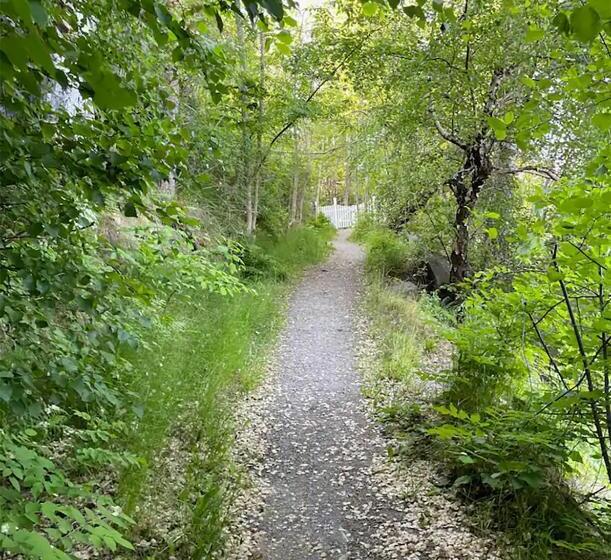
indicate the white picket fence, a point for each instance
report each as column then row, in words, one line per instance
column 342, row 216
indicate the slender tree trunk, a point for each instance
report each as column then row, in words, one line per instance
column 295, row 183
column 459, row 257
column 261, row 115
column 294, row 198
column 307, row 175
column 244, row 162
column 347, row 177
column 466, row 186
column 319, row 180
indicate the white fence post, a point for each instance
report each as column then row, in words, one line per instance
column 335, row 220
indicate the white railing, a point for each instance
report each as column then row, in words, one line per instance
column 342, row 216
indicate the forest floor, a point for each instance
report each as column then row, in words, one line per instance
column 319, row 480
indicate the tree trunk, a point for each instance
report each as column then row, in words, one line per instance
column 459, row 258
column 261, row 114
column 466, row 186
column 295, row 183
column 294, row 198
column 347, row 178
column 244, row 162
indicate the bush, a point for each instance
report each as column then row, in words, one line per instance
column 387, row 254
column 365, row 224
column 488, row 368
column 320, row 222
column 515, row 461
column 259, row 264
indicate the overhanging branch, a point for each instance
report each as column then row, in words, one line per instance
column 309, row 98
column 532, row 169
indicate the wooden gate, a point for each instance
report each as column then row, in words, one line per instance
column 342, row 216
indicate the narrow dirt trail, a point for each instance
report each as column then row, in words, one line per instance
column 322, row 486
column 321, row 503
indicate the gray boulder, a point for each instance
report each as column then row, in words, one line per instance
column 438, row 271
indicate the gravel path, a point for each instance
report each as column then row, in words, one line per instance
column 321, row 484
column 320, row 503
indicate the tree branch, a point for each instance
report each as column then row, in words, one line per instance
column 309, row 98
column 534, row 169
column 452, row 138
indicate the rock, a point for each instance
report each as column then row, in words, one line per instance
column 438, row 271
column 404, row 288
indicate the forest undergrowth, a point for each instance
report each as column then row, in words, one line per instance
column 500, row 460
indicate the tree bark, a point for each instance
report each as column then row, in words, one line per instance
column 347, row 176
column 467, row 183
column 295, row 183
column 244, row 162
column 260, row 118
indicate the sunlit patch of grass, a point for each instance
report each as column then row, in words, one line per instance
column 403, row 330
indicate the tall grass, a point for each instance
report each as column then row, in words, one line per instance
column 194, row 370
column 401, row 328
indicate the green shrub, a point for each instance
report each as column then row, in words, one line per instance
column 320, row 222
column 46, row 515
column 365, row 224
column 488, row 368
column 260, row 264
column 516, row 461
column 386, row 253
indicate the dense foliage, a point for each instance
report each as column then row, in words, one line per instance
column 129, row 152
column 492, row 121
column 144, row 142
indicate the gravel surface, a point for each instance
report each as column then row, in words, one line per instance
column 321, row 485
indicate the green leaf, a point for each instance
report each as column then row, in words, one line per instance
column 576, row 456
column 37, row 546
column 554, row 275
column 498, row 126
column 438, row 6
column 534, row 34
column 109, row 94
column 414, row 11
column 284, row 49
column 462, row 480
column 39, row 14
column 492, row 233
column 602, row 7
column 370, row 8
column 274, row 7
column 602, row 121
column 533, row 480
column 6, row 391
column 14, row 49
column 561, row 21
column 284, row 37
column 38, row 51
column 23, row 10
column 129, row 210
column 585, row 23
